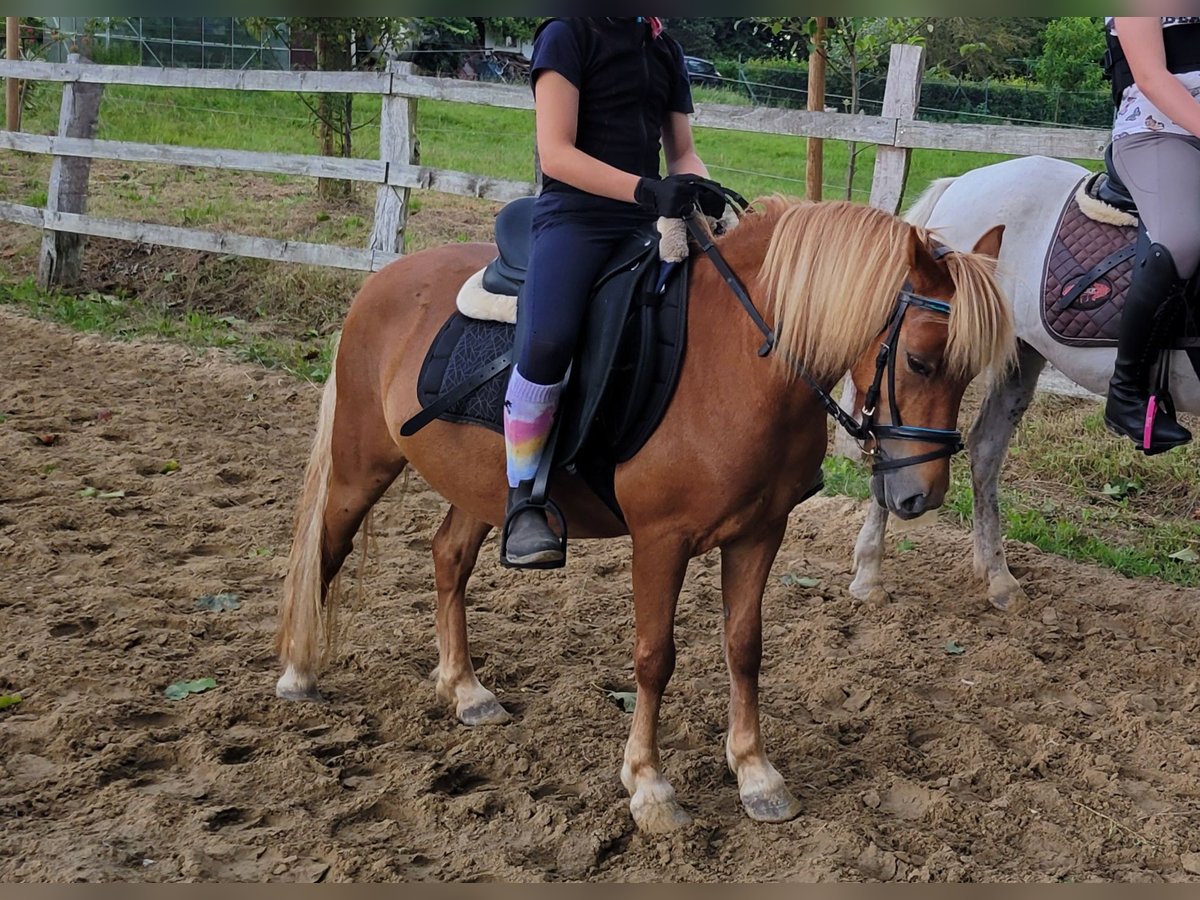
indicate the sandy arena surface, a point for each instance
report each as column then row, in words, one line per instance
column 1061, row 745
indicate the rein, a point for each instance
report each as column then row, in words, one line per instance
column 950, row 440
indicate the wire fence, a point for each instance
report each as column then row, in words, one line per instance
column 944, row 99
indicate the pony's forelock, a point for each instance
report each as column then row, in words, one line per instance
column 831, row 274
column 981, row 323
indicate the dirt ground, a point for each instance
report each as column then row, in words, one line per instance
column 1061, row 744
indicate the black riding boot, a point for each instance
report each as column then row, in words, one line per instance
column 1128, row 410
column 531, row 542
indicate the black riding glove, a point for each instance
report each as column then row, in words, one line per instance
column 711, row 198
column 677, row 195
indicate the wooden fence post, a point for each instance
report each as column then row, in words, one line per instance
column 397, row 144
column 61, row 259
column 814, row 166
column 12, row 88
column 901, row 96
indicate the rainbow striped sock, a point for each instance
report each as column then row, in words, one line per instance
column 528, row 414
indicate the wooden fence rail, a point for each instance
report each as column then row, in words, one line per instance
column 397, row 170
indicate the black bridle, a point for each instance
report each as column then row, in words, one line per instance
column 949, row 439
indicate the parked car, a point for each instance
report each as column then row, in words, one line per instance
column 701, row 71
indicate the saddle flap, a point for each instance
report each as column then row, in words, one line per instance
column 607, row 316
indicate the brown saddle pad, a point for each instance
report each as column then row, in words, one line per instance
column 1093, row 316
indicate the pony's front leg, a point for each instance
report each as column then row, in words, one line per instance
column 745, row 566
column 658, row 568
column 455, row 549
column 988, row 444
column 868, row 557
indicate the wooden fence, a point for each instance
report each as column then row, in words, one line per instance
column 397, row 170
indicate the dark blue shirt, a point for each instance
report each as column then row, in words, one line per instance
column 629, row 82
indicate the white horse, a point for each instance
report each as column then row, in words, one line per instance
column 1026, row 195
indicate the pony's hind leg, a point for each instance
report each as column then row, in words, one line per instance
column 349, row 468
column 745, row 566
column 868, row 556
column 658, row 570
column 988, row 443
column 455, row 549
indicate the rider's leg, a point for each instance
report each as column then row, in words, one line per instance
column 566, row 255
column 1162, row 173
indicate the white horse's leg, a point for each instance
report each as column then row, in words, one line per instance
column 988, row 443
column 868, row 556
column 843, row 444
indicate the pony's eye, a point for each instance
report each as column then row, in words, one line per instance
column 919, row 367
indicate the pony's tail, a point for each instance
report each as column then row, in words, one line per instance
column 921, row 212
column 304, row 615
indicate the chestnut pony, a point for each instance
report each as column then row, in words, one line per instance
column 740, row 445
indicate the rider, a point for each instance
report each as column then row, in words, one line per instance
column 1155, row 66
column 606, row 92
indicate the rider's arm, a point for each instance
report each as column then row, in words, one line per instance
column 556, row 104
column 678, row 148
column 1142, row 41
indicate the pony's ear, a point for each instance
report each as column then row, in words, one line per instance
column 989, row 244
column 923, row 260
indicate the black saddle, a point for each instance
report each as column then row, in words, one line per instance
column 1107, row 187
column 622, row 377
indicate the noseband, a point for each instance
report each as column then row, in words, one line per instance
column 949, row 439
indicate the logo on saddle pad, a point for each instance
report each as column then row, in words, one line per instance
column 1094, row 295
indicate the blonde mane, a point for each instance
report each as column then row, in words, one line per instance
column 982, row 337
column 831, row 274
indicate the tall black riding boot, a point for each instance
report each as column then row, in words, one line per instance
column 531, row 542
column 1132, row 409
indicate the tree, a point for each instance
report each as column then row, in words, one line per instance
column 860, row 44
column 855, row 45
column 332, row 39
column 1072, row 54
column 728, row 37
column 983, row 48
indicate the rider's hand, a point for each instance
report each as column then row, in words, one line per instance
column 678, row 195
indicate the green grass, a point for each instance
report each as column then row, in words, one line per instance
column 1107, row 532
column 465, row 137
column 127, row 318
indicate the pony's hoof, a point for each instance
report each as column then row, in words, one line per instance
column 489, row 712
column 293, row 687
column 779, row 806
column 299, row 696
column 1010, row 599
column 872, row 596
column 658, row 817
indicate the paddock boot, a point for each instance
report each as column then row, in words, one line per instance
column 1133, row 409
column 531, row 543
